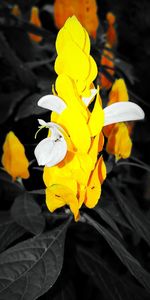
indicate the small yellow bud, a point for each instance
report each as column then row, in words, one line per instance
column 14, row 159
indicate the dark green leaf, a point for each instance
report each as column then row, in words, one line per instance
column 108, row 219
column 29, row 107
column 126, row 69
column 134, row 215
column 30, row 268
column 9, row 230
column 25, row 75
column 114, row 211
column 127, row 259
column 27, row 213
column 8, row 103
column 9, row 188
column 63, row 290
column 109, row 282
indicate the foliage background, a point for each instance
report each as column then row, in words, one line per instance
column 106, row 254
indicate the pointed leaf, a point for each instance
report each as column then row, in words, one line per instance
column 108, row 219
column 127, row 259
column 9, row 230
column 134, row 216
column 103, row 276
column 30, row 268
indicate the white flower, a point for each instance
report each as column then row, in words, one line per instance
column 51, row 150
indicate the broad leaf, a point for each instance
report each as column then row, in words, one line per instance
column 127, row 259
column 27, row 213
column 30, row 268
column 9, row 230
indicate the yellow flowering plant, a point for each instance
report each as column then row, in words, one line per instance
column 73, row 168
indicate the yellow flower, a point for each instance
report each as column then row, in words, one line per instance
column 35, row 20
column 74, row 60
column 14, row 159
column 63, row 9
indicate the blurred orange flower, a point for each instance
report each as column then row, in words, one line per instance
column 84, row 10
column 35, row 20
column 111, row 33
column 107, row 61
column 14, row 159
column 16, row 11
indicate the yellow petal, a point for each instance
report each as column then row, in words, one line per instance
column 58, row 195
column 73, row 31
column 118, row 92
column 94, row 185
column 14, row 159
column 96, row 121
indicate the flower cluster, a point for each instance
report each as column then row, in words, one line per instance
column 74, row 168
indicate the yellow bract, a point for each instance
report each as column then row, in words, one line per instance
column 14, row 159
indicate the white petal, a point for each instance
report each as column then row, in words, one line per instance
column 50, row 152
column 52, row 103
column 122, row 111
column 87, row 100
